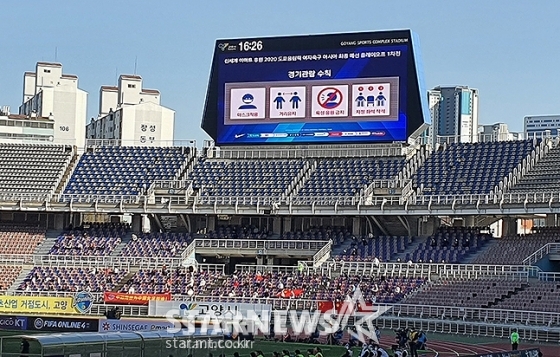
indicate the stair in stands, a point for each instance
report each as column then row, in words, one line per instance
column 127, row 277
column 189, row 165
column 124, row 241
column 507, row 296
column 339, row 249
column 300, row 179
column 51, row 236
column 26, row 269
column 470, row 259
column 416, row 241
column 67, row 174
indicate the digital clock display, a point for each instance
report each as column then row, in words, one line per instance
column 246, row 46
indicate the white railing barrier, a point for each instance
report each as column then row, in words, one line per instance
column 268, row 269
column 545, row 199
column 257, row 245
column 426, row 270
column 540, row 253
column 322, row 255
column 88, row 261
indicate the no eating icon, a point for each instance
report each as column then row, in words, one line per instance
column 329, row 98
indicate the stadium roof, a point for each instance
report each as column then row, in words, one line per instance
column 72, row 338
column 80, row 338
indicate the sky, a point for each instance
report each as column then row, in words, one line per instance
column 508, row 50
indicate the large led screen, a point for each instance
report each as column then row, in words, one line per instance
column 343, row 88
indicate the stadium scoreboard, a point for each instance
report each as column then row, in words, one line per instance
column 328, row 89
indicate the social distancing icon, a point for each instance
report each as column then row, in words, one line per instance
column 287, row 102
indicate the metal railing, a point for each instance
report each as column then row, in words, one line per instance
column 89, row 261
column 215, row 268
column 489, row 315
column 426, row 270
column 402, row 311
column 548, row 248
column 545, row 199
column 25, row 197
column 468, row 328
column 267, row 268
column 322, row 254
column 306, row 151
column 259, row 244
column 154, row 143
column 549, row 276
column 75, row 198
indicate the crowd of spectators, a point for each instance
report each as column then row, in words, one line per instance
column 315, row 286
column 181, row 281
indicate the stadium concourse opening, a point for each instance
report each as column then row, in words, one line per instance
column 114, row 344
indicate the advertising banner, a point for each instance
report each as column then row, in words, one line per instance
column 132, row 325
column 133, row 299
column 13, row 323
column 60, row 324
column 200, row 309
column 325, row 306
column 37, row 305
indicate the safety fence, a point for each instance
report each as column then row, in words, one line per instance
column 478, row 329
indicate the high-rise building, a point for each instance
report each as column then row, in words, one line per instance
column 454, row 111
column 132, row 115
column 55, row 98
column 542, row 125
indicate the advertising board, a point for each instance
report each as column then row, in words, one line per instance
column 339, row 88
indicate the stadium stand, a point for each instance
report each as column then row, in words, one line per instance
column 543, row 177
column 347, row 177
column 316, row 286
column 238, row 232
column 66, row 279
column 32, row 169
column 116, row 170
column 466, row 168
column 269, row 285
column 338, row 234
column 541, row 296
column 156, row 245
column 450, row 244
column 513, row 250
column 95, row 240
column 384, row 248
column 246, row 177
column 479, row 293
column 8, row 274
column 178, row 281
column 20, row 239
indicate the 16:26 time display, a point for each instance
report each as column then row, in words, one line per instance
column 247, row 46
